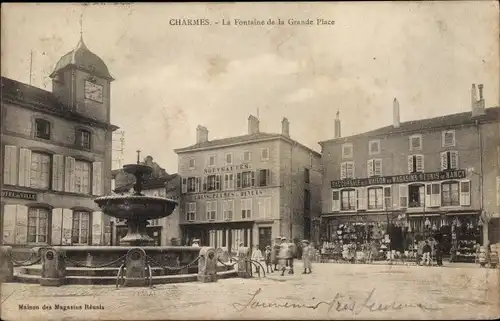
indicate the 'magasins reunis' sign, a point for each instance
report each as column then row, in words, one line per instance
column 400, row 179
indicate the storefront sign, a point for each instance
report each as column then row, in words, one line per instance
column 400, row 179
column 225, row 169
column 229, row 194
column 19, row 195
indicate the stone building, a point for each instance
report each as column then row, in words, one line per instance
column 434, row 172
column 248, row 189
column 164, row 231
column 56, row 155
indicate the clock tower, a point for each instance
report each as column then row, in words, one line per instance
column 81, row 82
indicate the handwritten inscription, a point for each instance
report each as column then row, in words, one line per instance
column 339, row 303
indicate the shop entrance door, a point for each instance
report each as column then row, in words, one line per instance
column 264, row 237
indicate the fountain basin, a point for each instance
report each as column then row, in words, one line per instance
column 136, row 206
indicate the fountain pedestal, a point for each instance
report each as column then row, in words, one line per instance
column 136, row 234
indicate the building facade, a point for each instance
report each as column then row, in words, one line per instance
column 165, row 231
column 56, row 155
column 436, row 174
column 248, row 189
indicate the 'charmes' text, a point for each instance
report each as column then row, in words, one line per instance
column 189, row 22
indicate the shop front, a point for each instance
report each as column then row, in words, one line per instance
column 219, row 235
column 458, row 232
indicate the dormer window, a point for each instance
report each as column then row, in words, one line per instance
column 42, row 128
column 83, row 138
column 347, row 151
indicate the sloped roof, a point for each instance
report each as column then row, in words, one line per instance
column 44, row 101
column 465, row 118
column 237, row 140
column 81, row 57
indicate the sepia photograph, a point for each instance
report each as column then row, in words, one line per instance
column 250, row 161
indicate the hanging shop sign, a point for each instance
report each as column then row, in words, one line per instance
column 19, row 195
column 229, row 194
column 400, row 179
column 226, row 169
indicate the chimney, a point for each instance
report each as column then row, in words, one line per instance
column 201, row 134
column 337, row 125
column 395, row 113
column 285, row 127
column 477, row 105
column 253, row 125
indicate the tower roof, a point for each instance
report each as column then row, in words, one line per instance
column 81, row 57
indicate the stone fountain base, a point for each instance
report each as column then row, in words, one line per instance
column 139, row 266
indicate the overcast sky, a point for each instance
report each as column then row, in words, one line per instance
column 169, row 78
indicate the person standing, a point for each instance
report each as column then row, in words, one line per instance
column 256, row 256
column 286, row 256
column 196, row 243
column 267, row 257
column 426, row 253
column 275, row 253
column 306, row 256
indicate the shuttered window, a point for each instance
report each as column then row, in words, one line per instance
column 40, row 171
column 449, row 160
column 211, row 207
column 191, row 211
column 80, row 230
column 450, row 194
column 82, row 177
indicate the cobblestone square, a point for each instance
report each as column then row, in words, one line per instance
column 333, row 291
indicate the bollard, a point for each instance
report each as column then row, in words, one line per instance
column 135, row 268
column 207, row 265
column 53, row 267
column 6, row 264
column 244, row 269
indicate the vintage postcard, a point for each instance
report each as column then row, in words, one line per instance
column 276, row 160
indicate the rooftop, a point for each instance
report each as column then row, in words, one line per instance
column 44, row 101
column 465, row 118
column 240, row 140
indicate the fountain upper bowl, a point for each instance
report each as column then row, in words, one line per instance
column 134, row 206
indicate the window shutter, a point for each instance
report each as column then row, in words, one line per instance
column 343, row 170
column 184, row 185
column 465, row 193
column 21, row 225
column 410, row 164
column 197, row 184
column 57, row 216
column 253, row 179
column 362, row 199
column 428, row 195
column 67, row 226
column 444, row 161
column 370, row 167
column 7, row 164
column 97, row 178
column 70, row 175
column 96, row 228
column 377, row 167
column 258, row 174
column 387, row 197
column 214, row 209
column 217, row 183
column 238, row 180
column 208, row 206
column 403, row 195
column 268, row 177
column 9, row 221
column 194, row 210
column 335, row 200
column 58, row 173
column 420, row 163
column 436, row 194
column 24, row 167
column 205, row 183
column 454, row 160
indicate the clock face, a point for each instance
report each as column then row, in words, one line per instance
column 93, row 91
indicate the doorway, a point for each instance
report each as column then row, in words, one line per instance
column 264, row 237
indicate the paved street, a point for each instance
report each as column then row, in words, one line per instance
column 335, row 291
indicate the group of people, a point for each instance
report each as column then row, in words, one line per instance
column 281, row 255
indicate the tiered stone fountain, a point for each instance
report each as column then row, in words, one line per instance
column 135, row 259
